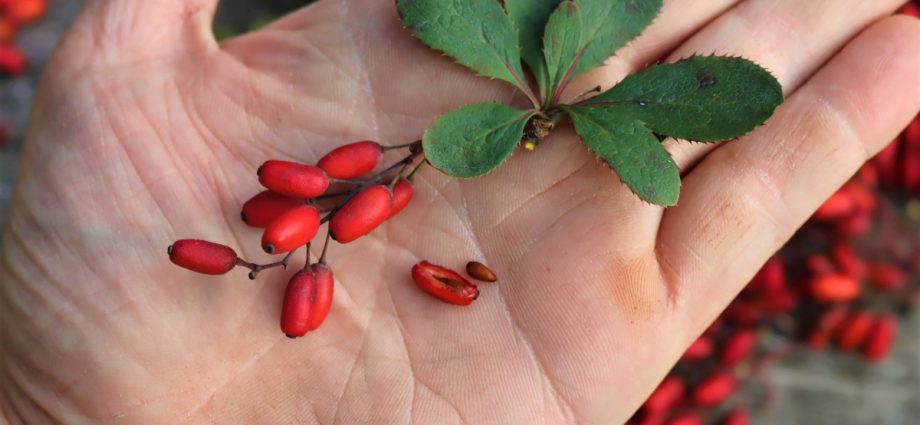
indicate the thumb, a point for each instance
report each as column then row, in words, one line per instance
column 129, row 31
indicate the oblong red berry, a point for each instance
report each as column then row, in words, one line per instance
column 668, row 394
column 444, row 284
column 291, row 230
column 352, row 160
column 362, row 214
column 264, row 208
column 880, row 339
column 689, row 418
column 738, row 416
column 202, row 256
column 322, row 296
column 834, row 288
column 854, row 331
column 699, row 350
column 714, row 389
column 886, row 277
column 292, row 179
column 402, row 195
column 297, row 305
column 737, row 346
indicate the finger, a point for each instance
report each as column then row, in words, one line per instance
column 677, row 21
column 746, row 199
column 791, row 38
column 125, row 31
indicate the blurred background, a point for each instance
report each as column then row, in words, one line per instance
column 826, row 334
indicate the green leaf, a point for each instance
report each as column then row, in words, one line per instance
column 631, row 150
column 477, row 33
column 530, row 17
column 473, row 140
column 703, row 99
column 562, row 41
column 609, row 25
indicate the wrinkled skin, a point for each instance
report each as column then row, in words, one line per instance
column 146, row 130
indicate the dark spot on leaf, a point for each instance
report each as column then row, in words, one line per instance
column 706, row 79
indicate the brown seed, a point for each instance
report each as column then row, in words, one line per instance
column 479, row 271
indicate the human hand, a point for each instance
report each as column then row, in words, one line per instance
column 146, row 130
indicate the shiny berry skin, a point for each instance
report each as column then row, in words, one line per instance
column 291, row 230
column 298, row 304
column 838, row 206
column 737, row 347
column 322, row 296
column 714, row 389
column 292, row 179
column 362, row 214
column 886, row 277
column 352, row 160
column 402, row 194
column 881, row 337
column 834, row 288
column 264, row 208
column 854, row 331
column 202, row 256
column 444, row 284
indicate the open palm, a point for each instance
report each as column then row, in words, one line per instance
column 146, row 131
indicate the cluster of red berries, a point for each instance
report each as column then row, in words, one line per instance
column 840, row 283
column 291, row 210
column 13, row 14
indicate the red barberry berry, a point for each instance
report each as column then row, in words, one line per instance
column 819, row 265
column 26, row 11
column 838, row 206
column 738, row 416
column 689, row 418
column 880, row 339
column 827, row 326
column 291, row 230
column 886, row 277
column 297, row 306
column 402, row 194
column 352, row 160
column 737, row 347
column 854, row 331
column 362, row 214
column 12, row 61
column 322, row 298
column 668, row 394
column 834, row 288
column 264, row 208
column 714, row 389
column 444, row 284
column 202, row 256
column 700, row 349
column 292, row 179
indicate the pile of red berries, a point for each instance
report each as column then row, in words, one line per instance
column 298, row 199
column 13, row 14
column 840, row 283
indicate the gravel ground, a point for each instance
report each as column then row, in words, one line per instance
column 808, row 388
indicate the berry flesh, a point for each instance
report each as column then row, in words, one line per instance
column 444, row 284
column 264, row 208
column 291, row 230
column 202, row 256
column 362, row 214
column 292, row 179
column 351, row 161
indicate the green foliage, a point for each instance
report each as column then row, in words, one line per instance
column 473, row 140
column 632, row 151
column 703, row 99
column 477, row 33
